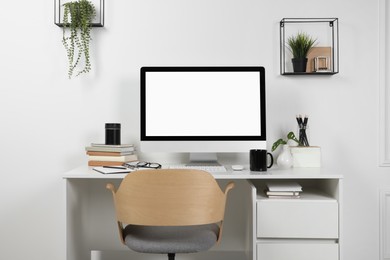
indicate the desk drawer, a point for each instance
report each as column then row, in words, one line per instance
column 297, row 251
column 296, row 218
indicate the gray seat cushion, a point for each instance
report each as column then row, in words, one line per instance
column 177, row 239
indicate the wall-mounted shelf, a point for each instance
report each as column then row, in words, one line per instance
column 309, row 73
column 59, row 12
column 326, row 33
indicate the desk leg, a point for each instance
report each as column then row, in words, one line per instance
column 74, row 238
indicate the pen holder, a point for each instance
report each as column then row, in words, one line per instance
column 303, row 135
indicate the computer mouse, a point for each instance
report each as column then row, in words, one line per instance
column 237, row 167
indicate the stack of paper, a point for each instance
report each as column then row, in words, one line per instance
column 283, row 189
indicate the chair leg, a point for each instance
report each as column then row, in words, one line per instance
column 171, row 256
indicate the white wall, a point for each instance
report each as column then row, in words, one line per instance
column 46, row 119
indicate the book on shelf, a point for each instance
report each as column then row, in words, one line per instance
column 284, row 186
column 282, row 193
column 121, row 158
column 284, row 197
column 283, row 190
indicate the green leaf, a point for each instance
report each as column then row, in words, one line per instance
column 277, row 143
column 291, row 136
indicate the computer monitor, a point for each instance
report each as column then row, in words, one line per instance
column 203, row 109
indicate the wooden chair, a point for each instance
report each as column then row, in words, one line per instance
column 169, row 211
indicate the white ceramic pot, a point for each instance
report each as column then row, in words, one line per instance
column 285, row 159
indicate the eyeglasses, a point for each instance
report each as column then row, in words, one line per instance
column 147, row 165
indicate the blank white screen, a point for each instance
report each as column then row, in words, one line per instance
column 202, row 104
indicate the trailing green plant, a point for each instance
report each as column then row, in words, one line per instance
column 290, row 136
column 78, row 16
column 300, row 44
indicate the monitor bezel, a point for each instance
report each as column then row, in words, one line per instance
column 262, row 97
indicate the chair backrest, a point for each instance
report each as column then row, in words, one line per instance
column 169, row 198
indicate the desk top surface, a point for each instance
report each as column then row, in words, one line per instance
column 85, row 172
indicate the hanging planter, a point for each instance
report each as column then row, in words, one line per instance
column 77, row 20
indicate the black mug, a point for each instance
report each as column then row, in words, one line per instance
column 258, row 160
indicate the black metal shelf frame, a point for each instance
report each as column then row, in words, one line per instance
column 58, row 10
column 334, row 32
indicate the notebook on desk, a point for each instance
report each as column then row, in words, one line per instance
column 112, row 170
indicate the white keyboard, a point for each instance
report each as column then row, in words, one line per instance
column 207, row 168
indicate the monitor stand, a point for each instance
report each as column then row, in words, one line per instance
column 208, row 159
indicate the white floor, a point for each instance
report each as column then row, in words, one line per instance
column 130, row 255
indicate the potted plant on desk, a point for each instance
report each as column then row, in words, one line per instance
column 285, row 159
column 300, row 45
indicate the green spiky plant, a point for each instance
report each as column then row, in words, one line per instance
column 78, row 16
column 300, row 44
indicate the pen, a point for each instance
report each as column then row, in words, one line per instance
column 305, row 127
column 115, row 167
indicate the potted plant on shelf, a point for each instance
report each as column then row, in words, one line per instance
column 78, row 16
column 300, row 46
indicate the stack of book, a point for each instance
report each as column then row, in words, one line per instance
column 110, row 155
column 283, row 190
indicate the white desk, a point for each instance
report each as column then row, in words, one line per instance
column 91, row 231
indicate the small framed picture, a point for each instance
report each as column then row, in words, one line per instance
column 324, row 55
column 321, row 64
